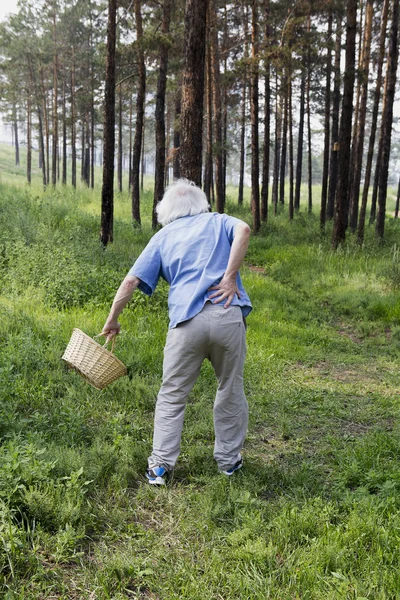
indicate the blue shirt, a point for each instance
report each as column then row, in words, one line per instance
column 191, row 254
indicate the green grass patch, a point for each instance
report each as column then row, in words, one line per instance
column 315, row 511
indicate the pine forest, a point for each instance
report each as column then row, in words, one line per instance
column 286, row 114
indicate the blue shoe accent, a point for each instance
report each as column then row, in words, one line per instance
column 238, row 465
column 157, row 475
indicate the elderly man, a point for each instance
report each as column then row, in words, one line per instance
column 199, row 254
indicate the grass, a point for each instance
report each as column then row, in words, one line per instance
column 315, row 512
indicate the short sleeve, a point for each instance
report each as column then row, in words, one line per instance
column 230, row 224
column 147, row 268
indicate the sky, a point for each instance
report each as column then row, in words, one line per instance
column 6, row 7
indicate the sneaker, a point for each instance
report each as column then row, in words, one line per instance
column 157, row 475
column 238, row 465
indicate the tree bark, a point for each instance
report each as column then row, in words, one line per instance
column 64, row 137
column 55, row 105
column 176, row 169
column 42, row 161
column 283, row 160
column 16, row 141
column 217, row 108
column 107, row 193
column 255, row 167
column 143, row 168
column 277, row 149
column 130, row 142
column 140, row 99
column 193, row 91
column 342, row 203
column 333, row 166
column 396, row 210
column 73, row 123
column 299, row 159
column 267, row 122
column 86, row 162
column 290, row 126
column 359, row 141
column 160, row 113
column 46, row 127
column 120, row 156
column 92, row 112
column 308, row 109
column 327, row 123
column 242, row 159
column 387, row 118
column 374, row 121
column 225, row 108
column 208, row 167
column 29, row 137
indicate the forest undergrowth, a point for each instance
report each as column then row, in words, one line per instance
column 315, row 512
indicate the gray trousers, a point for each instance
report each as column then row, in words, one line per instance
column 216, row 333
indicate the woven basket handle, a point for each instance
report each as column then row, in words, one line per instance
column 113, row 339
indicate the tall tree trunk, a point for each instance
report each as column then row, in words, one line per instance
column 160, row 113
column 176, row 168
column 92, row 143
column 225, row 106
column 308, row 109
column 217, row 108
column 193, row 90
column 290, row 126
column 92, row 111
column 242, row 143
column 387, row 118
column 143, row 156
column 327, row 123
column 29, row 136
column 73, row 123
column 130, row 142
column 120, row 153
column 277, row 151
column 140, row 99
column 46, row 126
column 16, row 141
column 299, row 159
column 55, row 105
column 267, row 121
column 83, row 147
column 42, row 161
column 208, row 167
column 167, row 137
column 342, row 202
column 107, row 192
column 86, row 163
column 374, row 121
column 242, row 159
column 396, row 210
column 283, row 161
column 359, row 141
column 64, row 137
column 333, row 166
column 255, row 166
column 58, row 162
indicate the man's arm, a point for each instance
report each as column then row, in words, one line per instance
column 227, row 288
column 122, row 297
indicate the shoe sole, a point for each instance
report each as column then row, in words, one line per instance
column 156, row 481
column 229, row 474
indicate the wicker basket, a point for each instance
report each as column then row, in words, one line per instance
column 96, row 364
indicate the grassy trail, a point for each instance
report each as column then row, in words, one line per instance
column 315, row 512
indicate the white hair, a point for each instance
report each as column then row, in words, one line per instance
column 181, row 199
